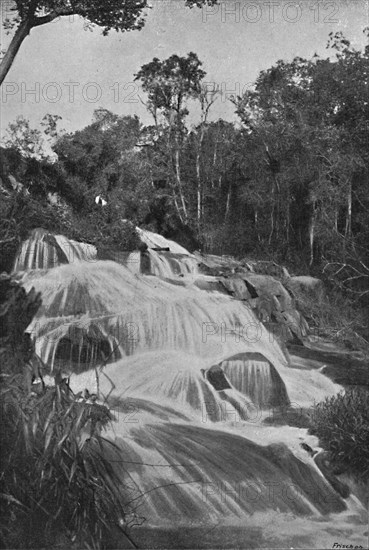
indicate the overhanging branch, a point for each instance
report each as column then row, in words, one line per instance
column 42, row 20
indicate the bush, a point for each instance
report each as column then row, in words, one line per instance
column 110, row 231
column 59, row 482
column 342, row 425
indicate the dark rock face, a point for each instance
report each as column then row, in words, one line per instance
column 217, row 379
column 340, row 366
column 17, row 309
column 83, row 349
column 321, row 459
column 145, row 263
column 271, row 301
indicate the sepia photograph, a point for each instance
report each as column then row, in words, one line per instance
column 184, row 274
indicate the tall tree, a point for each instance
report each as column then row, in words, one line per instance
column 310, row 118
column 118, row 15
column 170, row 84
column 206, row 99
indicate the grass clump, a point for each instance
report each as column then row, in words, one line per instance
column 59, row 484
column 341, row 423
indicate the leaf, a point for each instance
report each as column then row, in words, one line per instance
column 49, row 435
column 11, row 499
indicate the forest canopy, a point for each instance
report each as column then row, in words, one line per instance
column 290, row 181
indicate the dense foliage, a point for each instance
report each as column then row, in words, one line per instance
column 48, row 199
column 290, row 183
column 342, row 425
column 57, row 484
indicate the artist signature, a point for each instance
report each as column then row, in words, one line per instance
column 339, row 545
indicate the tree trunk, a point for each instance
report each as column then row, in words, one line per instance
column 177, row 206
column 228, row 202
column 256, row 221
column 271, row 224
column 312, row 233
column 349, row 212
column 288, row 220
column 199, row 204
column 277, row 194
column 272, row 217
column 198, row 176
column 214, row 163
column 21, row 33
column 179, row 183
column 199, row 189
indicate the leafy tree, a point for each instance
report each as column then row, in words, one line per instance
column 170, row 84
column 103, row 158
column 32, row 142
column 206, row 99
column 309, row 119
column 118, row 15
column 24, row 139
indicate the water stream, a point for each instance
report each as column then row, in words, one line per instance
column 191, row 376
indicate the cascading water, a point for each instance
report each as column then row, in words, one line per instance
column 154, row 240
column 169, row 265
column 190, row 377
column 42, row 250
column 254, row 375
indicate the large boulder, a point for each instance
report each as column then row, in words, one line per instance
column 272, row 303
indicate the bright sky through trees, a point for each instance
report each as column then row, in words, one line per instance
column 64, row 71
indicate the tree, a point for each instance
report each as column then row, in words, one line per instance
column 170, row 84
column 24, row 139
column 31, row 142
column 309, row 122
column 118, row 15
column 206, row 98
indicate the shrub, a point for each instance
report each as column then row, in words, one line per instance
column 341, row 423
column 111, row 231
column 59, row 481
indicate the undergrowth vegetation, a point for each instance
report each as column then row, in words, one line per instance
column 59, row 482
column 336, row 316
column 341, row 423
column 21, row 212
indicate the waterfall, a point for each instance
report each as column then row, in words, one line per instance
column 168, row 265
column 131, row 314
column 168, row 259
column 254, row 375
column 43, row 250
column 190, row 374
column 143, row 313
column 197, row 474
column 154, row 240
